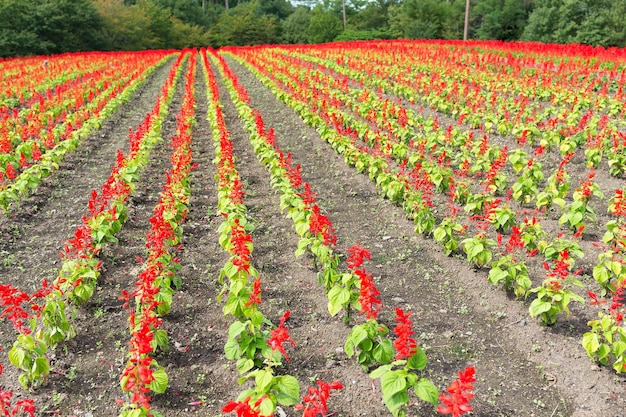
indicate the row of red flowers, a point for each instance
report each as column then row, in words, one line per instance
column 152, row 295
column 48, row 319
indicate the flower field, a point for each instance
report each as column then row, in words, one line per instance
column 378, row 228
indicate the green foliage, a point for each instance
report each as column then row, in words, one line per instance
column 324, row 26
column 190, row 11
column 501, row 19
column 371, row 18
column 593, row 22
column 370, row 343
column 280, row 9
column 418, row 19
column 295, row 28
column 146, row 25
column 244, row 25
column 606, row 342
column 49, row 27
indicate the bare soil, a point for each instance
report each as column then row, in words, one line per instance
column 523, row 369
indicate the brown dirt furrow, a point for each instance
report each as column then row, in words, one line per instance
column 523, row 369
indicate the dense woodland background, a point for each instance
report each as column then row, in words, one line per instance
column 53, row 26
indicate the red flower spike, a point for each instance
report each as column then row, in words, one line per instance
column 458, row 403
column 368, row 295
column 280, row 335
column 255, row 295
column 404, row 345
column 315, row 403
column 242, row 408
column 357, row 255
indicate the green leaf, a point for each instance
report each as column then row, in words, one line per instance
column 439, row 234
column 380, row 371
column 288, row 390
column 26, row 341
column 425, row 390
column 263, row 379
column 395, row 401
column 161, row 339
column 475, row 250
column 619, row 348
column 357, row 335
column 23, row 379
column 538, row 307
column 41, row 366
column 229, row 269
column 496, row 275
column 337, row 298
column 267, row 406
column 383, row 352
column 131, row 413
column 244, row 365
column 159, row 385
column 232, row 350
column 392, row 383
column 16, row 356
column 348, row 348
column 235, row 329
column 418, row 360
column 590, row 343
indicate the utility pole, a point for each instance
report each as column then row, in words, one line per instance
column 343, row 5
column 466, row 29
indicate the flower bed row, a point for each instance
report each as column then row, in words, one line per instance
column 452, row 80
column 397, row 364
column 27, row 78
column 32, row 146
column 52, row 308
column 553, row 295
column 159, row 277
column 257, row 350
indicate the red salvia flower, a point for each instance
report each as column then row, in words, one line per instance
column 243, row 408
column 320, row 224
column 515, row 240
column 281, row 335
column 10, row 171
column 240, row 240
column 255, row 295
column 309, row 196
column 357, row 255
column 368, row 297
column 594, row 299
column 314, row 403
column 458, row 402
column 404, row 345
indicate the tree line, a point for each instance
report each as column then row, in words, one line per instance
column 56, row 26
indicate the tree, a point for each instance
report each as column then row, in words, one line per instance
column 189, row 11
column 592, row 22
column 324, row 26
column 420, row 19
column 49, row 27
column 295, row 28
column 126, row 27
column 244, row 25
column 501, row 19
column 185, row 35
column 280, row 9
column 17, row 35
column 374, row 15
